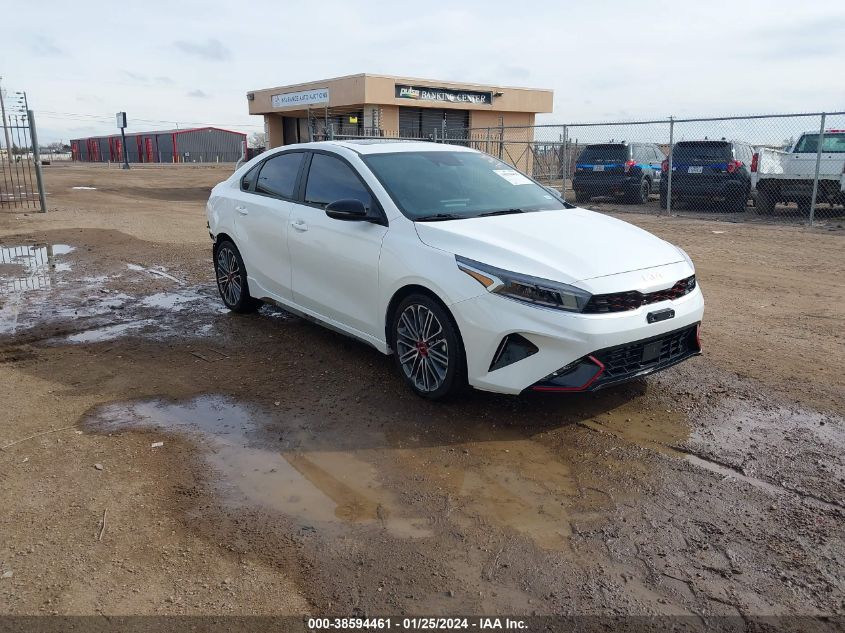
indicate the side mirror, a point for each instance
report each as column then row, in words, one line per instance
column 350, row 210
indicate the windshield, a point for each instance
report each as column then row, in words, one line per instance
column 832, row 144
column 603, row 154
column 450, row 185
column 705, row 152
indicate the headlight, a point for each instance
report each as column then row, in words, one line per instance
column 525, row 288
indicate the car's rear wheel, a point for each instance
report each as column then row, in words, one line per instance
column 427, row 348
column 736, row 202
column 231, row 278
column 639, row 195
column 765, row 201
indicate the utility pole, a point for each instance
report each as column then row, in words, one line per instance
column 121, row 123
column 5, row 127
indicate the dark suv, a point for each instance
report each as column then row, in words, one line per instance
column 629, row 170
column 709, row 170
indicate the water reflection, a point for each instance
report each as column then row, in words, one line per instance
column 38, row 263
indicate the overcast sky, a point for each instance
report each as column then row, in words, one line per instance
column 193, row 62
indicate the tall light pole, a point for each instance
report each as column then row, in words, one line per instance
column 121, row 123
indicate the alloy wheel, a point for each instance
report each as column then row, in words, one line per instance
column 422, row 347
column 229, row 276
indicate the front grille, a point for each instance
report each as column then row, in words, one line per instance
column 633, row 299
column 648, row 355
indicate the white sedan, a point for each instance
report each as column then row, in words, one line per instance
column 461, row 267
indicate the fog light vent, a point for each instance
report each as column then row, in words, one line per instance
column 513, row 348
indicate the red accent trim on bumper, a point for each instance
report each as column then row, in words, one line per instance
column 586, row 385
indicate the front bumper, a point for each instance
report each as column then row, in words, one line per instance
column 563, row 339
column 625, row 362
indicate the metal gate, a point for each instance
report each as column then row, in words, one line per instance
column 21, row 181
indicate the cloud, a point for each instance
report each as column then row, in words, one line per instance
column 198, row 94
column 135, row 76
column 212, row 49
column 163, row 80
column 45, row 47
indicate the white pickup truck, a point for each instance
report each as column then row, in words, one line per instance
column 779, row 176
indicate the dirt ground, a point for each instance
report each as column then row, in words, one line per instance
column 298, row 475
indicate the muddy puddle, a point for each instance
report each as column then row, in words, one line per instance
column 267, row 460
column 255, row 466
column 43, row 285
column 31, row 267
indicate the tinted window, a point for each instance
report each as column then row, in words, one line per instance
column 330, row 179
column 460, row 184
column 278, row 175
column 603, row 154
column 702, row 152
column 247, row 180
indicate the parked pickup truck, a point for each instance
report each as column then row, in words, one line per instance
column 780, row 176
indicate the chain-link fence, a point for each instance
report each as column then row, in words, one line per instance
column 787, row 167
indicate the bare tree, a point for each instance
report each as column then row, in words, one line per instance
column 257, row 139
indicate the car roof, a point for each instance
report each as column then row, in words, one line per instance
column 710, row 140
column 380, row 146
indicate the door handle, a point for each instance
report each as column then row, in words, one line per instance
column 242, row 210
column 299, row 225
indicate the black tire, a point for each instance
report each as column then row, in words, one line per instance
column 639, row 195
column 428, row 352
column 765, row 201
column 737, row 202
column 230, row 272
column 804, row 207
column 581, row 196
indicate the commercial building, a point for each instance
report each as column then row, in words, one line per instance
column 384, row 105
column 191, row 145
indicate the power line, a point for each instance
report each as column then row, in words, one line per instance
column 108, row 118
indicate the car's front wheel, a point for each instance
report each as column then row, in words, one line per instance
column 427, row 348
column 231, row 278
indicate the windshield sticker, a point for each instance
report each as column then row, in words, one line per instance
column 513, row 176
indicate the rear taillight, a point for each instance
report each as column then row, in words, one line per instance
column 754, row 161
column 629, row 165
column 734, row 165
column 664, row 166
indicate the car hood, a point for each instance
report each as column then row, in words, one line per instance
column 567, row 245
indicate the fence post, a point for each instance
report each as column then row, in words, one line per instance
column 501, row 137
column 443, row 128
column 565, row 166
column 331, row 131
column 39, row 176
column 818, row 166
column 669, row 175
column 435, row 135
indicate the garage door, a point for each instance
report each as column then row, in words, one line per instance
column 421, row 122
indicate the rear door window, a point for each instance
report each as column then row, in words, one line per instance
column 604, row 154
column 278, row 175
column 248, row 180
column 331, row 179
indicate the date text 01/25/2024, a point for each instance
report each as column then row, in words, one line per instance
column 416, row 624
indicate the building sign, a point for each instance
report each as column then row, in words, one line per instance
column 303, row 98
column 447, row 95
